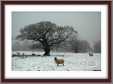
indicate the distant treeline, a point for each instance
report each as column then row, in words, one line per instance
column 77, row 46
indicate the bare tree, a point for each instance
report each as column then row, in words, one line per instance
column 47, row 33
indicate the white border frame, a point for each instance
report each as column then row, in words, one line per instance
column 103, row 74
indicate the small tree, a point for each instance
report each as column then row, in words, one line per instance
column 97, row 47
column 84, row 46
column 80, row 45
column 47, row 33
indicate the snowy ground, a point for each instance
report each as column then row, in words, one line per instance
column 73, row 62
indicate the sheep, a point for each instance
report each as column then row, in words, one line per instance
column 13, row 55
column 59, row 61
column 33, row 54
column 90, row 53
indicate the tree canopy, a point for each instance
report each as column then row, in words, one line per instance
column 47, row 33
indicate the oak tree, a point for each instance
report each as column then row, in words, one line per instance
column 47, row 33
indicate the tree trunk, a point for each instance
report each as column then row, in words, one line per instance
column 47, row 51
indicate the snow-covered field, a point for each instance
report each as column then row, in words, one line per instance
column 72, row 62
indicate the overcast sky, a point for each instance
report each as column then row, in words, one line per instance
column 88, row 24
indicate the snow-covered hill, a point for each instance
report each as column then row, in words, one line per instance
column 72, row 62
